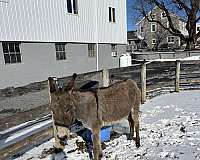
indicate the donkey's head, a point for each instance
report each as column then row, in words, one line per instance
column 62, row 104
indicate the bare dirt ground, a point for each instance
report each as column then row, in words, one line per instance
column 18, row 106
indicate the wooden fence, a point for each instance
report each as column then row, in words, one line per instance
column 159, row 75
column 152, row 78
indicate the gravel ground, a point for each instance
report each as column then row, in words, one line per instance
column 26, row 101
column 19, row 109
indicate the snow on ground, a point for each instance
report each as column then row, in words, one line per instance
column 187, row 58
column 170, row 130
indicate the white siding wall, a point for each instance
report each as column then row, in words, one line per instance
column 112, row 32
column 48, row 21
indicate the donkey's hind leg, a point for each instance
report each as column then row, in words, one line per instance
column 131, row 126
column 97, row 151
column 135, row 114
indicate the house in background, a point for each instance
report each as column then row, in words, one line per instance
column 46, row 38
column 133, row 42
column 155, row 36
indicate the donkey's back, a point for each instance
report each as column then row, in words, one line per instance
column 117, row 100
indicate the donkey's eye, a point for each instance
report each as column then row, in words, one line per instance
column 67, row 110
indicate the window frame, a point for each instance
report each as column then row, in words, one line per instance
column 153, row 24
column 169, row 41
column 60, row 54
column 114, row 50
column 153, row 16
column 198, row 29
column 167, row 24
column 14, row 56
column 142, row 29
column 152, row 42
column 163, row 17
column 72, row 7
column 111, row 14
column 91, row 50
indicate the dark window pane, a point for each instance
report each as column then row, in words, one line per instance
column 69, row 6
column 75, row 6
column 113, row 12
column 18, row 56
column 89, row 47
column 5, row 47
column 56, row 47
column 110, row 14
column 62, row 47
column 11, row 47
column 59, row 47
column 17, row 48
column 7, row 58
column 57, row 56
column 113, row 46
column 13, row 58
column 62, row 55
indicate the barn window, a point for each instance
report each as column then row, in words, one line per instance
column 11, row 53
column 91, row 50
column 72, row 6
column 60, row 51
column 114, row 50
column 112, row 14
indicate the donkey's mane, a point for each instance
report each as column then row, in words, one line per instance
column 100, row 88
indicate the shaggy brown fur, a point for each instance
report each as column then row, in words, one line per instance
column 96, row 108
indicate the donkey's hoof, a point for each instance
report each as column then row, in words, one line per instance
column 57, row 150
column 137, row 144
column 100, row 155
column 129, row 137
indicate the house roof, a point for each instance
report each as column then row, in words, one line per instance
column 160, row 9
column 131, row 35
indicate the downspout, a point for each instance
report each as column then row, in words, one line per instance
column 96, row 29
column 97, row 57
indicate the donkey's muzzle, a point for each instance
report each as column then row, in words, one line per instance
column 63, row 140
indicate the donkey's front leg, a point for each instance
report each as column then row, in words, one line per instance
column 97, row 151
column 59, row 142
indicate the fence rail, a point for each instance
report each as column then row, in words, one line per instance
column 152, row 78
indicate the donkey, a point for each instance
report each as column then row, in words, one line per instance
column 94, row 108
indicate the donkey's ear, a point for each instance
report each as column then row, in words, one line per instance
column 53, row 87
column 70, row 85
column 74, row 76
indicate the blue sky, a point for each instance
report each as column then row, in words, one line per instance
column 130, row 23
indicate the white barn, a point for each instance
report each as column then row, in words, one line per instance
column 42, row 38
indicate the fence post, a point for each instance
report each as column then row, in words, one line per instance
column 178, row 67
column 105, row 74
column 143, row 82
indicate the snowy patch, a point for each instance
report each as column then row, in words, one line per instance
column 170, row 130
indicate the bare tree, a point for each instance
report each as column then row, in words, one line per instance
column 189, row 10
column 159, row 37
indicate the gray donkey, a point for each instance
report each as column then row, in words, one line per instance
column 94, row 108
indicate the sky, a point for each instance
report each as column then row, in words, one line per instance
column 130, row 23
column 131, row 15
